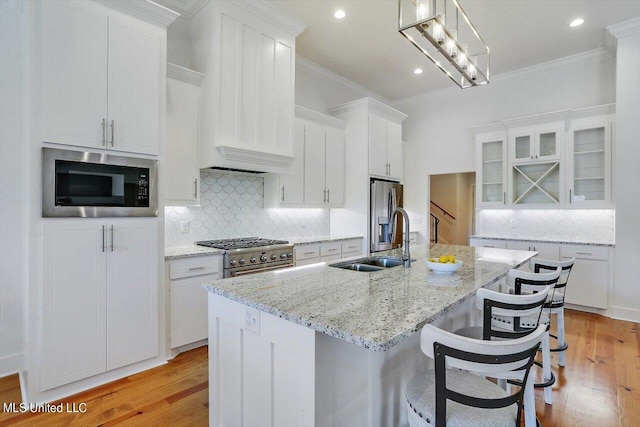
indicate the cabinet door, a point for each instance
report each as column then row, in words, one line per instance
column 334, row 176
column 549, row 142
column 292, row 186
column 488, row 243
column 589, row 168
column 522, row 146
column 73, row 302
column 134, row 73
column 491, row 153
column 377, row 146
column 589, row 278
column 394, row 150
column 314, row 164
column 181, row 165
column 189, row 310
column 74, row 73
column 132, row 292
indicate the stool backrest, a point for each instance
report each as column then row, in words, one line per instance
column 529, row 281
column 494, row 303
column 539, row 265
column 510, row 359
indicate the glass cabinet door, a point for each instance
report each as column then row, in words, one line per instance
column 491, row 180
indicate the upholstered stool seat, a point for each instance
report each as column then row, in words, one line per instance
column 421, row 400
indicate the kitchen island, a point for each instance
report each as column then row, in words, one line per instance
column 319, row 345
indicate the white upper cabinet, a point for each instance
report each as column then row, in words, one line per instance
column 536, row 143
column 317, row 173
column 385, row 148
column 183, row 127
column 491, row 152
column 102, row 78
column 248, row 90
column 589, row 162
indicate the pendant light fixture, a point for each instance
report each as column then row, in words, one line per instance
column 442, row 31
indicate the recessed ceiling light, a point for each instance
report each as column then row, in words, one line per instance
column 417, row 71
column 339, row 14
column 576, row 22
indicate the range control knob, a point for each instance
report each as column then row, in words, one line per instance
column 283, row 256
column 233, row 262
column 253, row 259
column 289, row 255
column 263, row 258
column 241, row 261
column 273, row 256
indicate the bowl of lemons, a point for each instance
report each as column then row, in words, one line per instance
column 445, row 264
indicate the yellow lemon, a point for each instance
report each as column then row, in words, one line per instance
column 444, row 258
column 452, row 259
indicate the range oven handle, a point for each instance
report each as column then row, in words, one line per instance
column 259, row 270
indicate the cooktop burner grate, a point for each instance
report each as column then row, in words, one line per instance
column 242, row 243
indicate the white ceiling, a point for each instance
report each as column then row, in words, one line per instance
column 366, row 48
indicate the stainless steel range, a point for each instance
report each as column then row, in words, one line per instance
column 252, row 254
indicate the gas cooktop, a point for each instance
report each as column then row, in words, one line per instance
column 242, row 243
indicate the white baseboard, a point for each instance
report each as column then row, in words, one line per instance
column 628, row 314
column 10, row 365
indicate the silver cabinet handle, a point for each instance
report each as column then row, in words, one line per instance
column 504, row 197
column 331, row 250
column 328, row 195
column 104, row 130
column 309, row 253
column 113, row 126
column 389, row 169
column 103, row 234
column 570, row 197
column 195, row 188
column 112, row 234
column 197, row 268
column 324, row 196
column 283, row 194
column 583, row 253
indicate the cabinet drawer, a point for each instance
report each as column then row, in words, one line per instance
column 584, row 252
column 329, row 249
column 196, row 266
column 487, row 243
column 306, row 251
column 351, row 247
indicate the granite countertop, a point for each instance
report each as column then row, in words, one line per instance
column 320, row 239
column 375, row 310
column 561, row 242
column 186, row 251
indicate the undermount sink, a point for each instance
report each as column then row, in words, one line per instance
column 373, row 263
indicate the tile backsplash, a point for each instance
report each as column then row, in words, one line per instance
column 232, row 206
column 597, row 226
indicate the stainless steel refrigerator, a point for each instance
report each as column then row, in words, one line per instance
column 385, row 197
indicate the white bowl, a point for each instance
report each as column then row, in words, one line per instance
column 444, row 268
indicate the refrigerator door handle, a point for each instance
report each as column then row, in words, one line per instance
column 392, row 205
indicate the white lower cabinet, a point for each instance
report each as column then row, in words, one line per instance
column 100, row 297
column 589, row 279
column 548, row 251
column 188, row 307
column 487, row 243
column 306, row 254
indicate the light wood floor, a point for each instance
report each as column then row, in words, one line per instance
column 600, row 386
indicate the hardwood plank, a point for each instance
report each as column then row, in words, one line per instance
column 599, row 386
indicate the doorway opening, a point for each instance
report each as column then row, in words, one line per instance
column 452, row 208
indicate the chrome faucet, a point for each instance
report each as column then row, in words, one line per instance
column 406, row 255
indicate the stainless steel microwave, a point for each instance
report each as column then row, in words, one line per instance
column 85, row 184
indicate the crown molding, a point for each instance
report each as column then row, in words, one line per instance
column 314, row 116
column 146, row 10
column 625, row 28
column 273, row 15
column 184, row 74
column 309, row 67
column 186, row 8
column 590, row 56
column 370, row 104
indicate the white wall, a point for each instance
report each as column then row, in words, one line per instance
column 626, row 296
column 437, row 131
column 13, row 187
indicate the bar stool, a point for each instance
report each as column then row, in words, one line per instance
column 555, row 304
column 497, row 325
column 451, row 395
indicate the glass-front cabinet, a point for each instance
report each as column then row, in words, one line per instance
column 491, row 149
column 536, row 143
column 589, row 168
